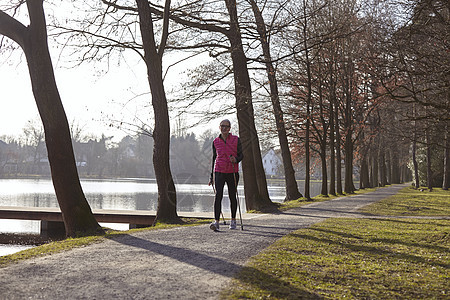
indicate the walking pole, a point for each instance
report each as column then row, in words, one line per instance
column 214, row 189
column 237, row 197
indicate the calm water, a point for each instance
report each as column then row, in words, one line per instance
column 120, row 194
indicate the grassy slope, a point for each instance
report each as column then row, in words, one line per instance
column 412, row 202
column 358, row 258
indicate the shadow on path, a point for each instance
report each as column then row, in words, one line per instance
column 218, row 266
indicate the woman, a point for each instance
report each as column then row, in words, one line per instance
column 227, row 153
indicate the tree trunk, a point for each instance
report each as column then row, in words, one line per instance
column 322, row 134
column 307, row 160
column 429, row 170
column 370, row 166
column 349, row 70
column 348, row 144
column 414, row 152
column 167, row 199
column 364, row 174
column 256, row 193
column 338, row 153
column 76, row 212
column 382, row 165
column 389, row 166
column 415, row 164
column 332, row 152
column 446, row 179
column 349, row 187
column 323, row 158
column 292, row 191
column 375, row 162
column 395, row 165
column 308, row 108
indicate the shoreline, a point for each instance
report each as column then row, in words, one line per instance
column 24, row 239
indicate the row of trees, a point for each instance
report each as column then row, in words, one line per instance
column 368, row 89
column 100, row 157
column 334, row 72
column 333, row 86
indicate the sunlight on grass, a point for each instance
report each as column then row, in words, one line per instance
column 352, row 258
column 303, row 201
column 358, row 258
column 412, row 202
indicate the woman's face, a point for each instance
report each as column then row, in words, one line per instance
column 225, row 127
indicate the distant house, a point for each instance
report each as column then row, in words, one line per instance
column 8, row 159
column 272, row 163
column 129, row 151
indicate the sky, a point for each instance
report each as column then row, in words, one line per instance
column 84, row 95
column 88, row 99
column 91, row 97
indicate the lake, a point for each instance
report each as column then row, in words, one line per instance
column 120, row 194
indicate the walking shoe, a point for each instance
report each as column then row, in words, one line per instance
column 214, row 226
column 233, row 224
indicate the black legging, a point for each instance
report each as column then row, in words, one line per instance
column 219, row 181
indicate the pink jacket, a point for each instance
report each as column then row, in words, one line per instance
column 224, row 149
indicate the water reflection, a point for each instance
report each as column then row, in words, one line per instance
column 10, row 249
column 119, row 194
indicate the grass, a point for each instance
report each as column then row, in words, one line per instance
column 70, row 243
column 358, row 258
column 303, row 201
column 49, row 248
column 352, row 259
column 412, row 202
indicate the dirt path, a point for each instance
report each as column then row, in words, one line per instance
column 180, row 263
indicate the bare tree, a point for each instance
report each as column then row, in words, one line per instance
column 301, row 80
column 111, row 27
column 252, row 163
column 292, row 191
column 77, row 215
column 153, row 53
column 227, row 26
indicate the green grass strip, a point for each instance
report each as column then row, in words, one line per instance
column 412, row 202
column 352, row 259
column 283, row 206
column 359, row 258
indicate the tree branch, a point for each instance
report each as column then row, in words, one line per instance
column 12, row 29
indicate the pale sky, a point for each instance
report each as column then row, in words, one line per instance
column 88, row 99
column 91, row 97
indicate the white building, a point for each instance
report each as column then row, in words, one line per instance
column 272, row 163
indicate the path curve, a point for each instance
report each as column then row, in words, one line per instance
column 180, row 263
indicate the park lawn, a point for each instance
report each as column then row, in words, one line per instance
column 352, row 259
column 283, row 206
column 412, row 202
column 358, row 258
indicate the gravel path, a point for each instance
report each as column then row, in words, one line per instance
column 180, row 263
